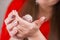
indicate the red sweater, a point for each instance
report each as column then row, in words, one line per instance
column 17, row 4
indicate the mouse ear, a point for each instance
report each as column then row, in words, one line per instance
column 28, row 18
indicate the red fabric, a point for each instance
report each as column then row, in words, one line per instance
column 0, row 36
column 17, row 4
column 45, row 29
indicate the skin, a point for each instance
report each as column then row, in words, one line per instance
column 46, row 8
column 26, row 29
column 47, row 2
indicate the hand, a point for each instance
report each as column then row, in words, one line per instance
column 37, row 36
column 22, row 27
column 11, row 17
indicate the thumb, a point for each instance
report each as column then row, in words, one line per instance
column 40, row 21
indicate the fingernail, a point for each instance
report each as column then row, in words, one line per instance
column 16, row 23
column 13, row 16
column 13, row 32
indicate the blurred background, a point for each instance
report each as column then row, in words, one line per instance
column 3, row 8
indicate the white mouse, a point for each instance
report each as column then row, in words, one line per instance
column 28, row 18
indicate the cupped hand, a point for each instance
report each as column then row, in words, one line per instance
column 19, row 27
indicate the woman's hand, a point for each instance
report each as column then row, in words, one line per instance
column 37, row 36
column 17, row 27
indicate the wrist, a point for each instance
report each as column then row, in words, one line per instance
column 37, row 36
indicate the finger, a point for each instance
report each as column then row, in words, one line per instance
column 21, row 36
column 12, row 13
column 15, row 38
column 13, row 32
column 12, row 38
column 12, row 25
column 15, row 13
column 10, row 18
column 8, row 21
column 19, row 18
column 21, row 31
column 40, row 21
